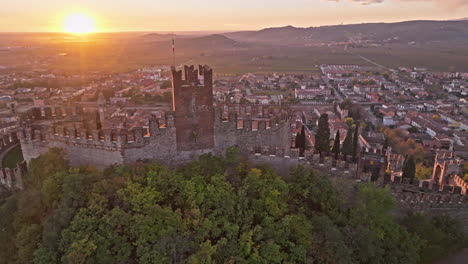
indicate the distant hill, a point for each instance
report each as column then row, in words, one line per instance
column 157, row 37
column 190, row 46
column 215, row 41
column 212, row 40
column 403, row 32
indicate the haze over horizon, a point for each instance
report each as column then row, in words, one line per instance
column 210, row 15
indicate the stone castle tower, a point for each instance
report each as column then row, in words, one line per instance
column 445, row 166
column 193, row 107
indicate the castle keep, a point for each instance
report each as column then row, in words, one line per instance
column 94, row 135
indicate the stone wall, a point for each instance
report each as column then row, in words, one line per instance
column 13, row 178
column 106, row 147
column 252, row 129
column 431, row 199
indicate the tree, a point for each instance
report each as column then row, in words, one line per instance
column 423, row 172
column 439, row 233
column 409, row 168
column 349, row 121
column 385, row 144
column 346, row 104
column 347, row 148
column 336, row 145
column 212, row 210
column 322, row 138
column 301, row 140
column 355, row 142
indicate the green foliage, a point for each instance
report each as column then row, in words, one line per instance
column 214, row 210
column 12, row 158
column 7, row 230
column 423, row 172
column 349, row 121
column 347, row 148
column 336, row 145
column 26, row 241
column 441, row 235
column 322, row 138
column 301, row 140
column 409, row 168
column 355, row 141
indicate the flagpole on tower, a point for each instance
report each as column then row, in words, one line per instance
column 173, row 50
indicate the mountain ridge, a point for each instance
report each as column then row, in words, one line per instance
column 405, row 31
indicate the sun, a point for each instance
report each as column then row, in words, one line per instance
column 79, row 24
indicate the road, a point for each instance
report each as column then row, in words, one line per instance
column 372, row 62
column 337, row 93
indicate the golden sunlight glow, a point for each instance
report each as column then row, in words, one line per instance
column 79, row 24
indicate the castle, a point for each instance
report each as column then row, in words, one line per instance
column 194, row 126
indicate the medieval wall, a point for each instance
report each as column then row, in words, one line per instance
column 252, row 134
column 79, row 150
column 13, row 178
column 431, row 199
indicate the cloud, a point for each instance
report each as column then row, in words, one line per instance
column 444, row 3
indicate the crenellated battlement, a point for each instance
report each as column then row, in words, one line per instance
column 277, row 158
column 251, row 118
column 446, row 166
column 191, row 76
column 13, row 178
column 51, row 112
column 462, row 183
column 109, row 139
column 8, row 139
column 424, row 194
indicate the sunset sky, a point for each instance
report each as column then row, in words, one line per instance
column 188, row 15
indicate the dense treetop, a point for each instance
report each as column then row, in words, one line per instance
column 214, row 210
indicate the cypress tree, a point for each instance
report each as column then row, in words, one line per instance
column 336, row 145
column 355, row 142
column 347, row 148
column 301, row 140
column 409, row 168
column 385, row 144
column 322, row 138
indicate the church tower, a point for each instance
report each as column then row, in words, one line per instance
column 193, row 106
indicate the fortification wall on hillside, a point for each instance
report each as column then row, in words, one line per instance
column 13, row 178
column 431, row 199
column 107, row 147
column 252, row 133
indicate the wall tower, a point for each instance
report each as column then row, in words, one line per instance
column 193, row 106
column 445, row 165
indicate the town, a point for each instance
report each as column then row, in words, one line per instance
column 417, row 112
